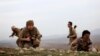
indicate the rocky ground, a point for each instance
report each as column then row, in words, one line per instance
column 43, row 52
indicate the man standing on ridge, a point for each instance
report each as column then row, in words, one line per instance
column 72, row 33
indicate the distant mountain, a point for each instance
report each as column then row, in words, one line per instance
column 8, row 44
column 95, row 36
column 54, row 41
column 60, row 41
column 96, row 32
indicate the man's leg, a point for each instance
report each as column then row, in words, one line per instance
column 19, row 43
column 36, row 43
column 27, row 45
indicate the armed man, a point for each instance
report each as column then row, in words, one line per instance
column 30, row 36
column 72, row 33
column 15, row 32
column 83, row 43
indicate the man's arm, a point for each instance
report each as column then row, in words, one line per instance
column 12, row 34
column 38, row 34
column 74, row 34
column 21, row 35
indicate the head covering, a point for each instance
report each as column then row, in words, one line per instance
column 13, row 27
column 29, row 22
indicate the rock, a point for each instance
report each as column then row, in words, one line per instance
column 18, row 48
column 53, row 49
column 61, row 54
column 94, row 50
column 32, row 48
column 2, row 52
column 41, row 49
column 49, row 55
column 98, row 51
column 26, row 49
column 21, row 51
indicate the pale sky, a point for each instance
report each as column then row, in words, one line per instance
column 50, row 16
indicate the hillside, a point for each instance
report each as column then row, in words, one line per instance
column 57, row 41
column 46, row 52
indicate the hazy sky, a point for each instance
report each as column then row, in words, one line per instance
column 50, row 16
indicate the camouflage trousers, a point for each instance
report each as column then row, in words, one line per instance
column 26, row 44
column 72, row 39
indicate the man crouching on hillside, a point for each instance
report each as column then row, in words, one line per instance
column 82, row 44
column 30, row 36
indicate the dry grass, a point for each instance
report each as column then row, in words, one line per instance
column 52, row 52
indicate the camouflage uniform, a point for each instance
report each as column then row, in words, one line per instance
column 72, row 34
column 35, row 37
column 81, row 45
column 16, row 32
